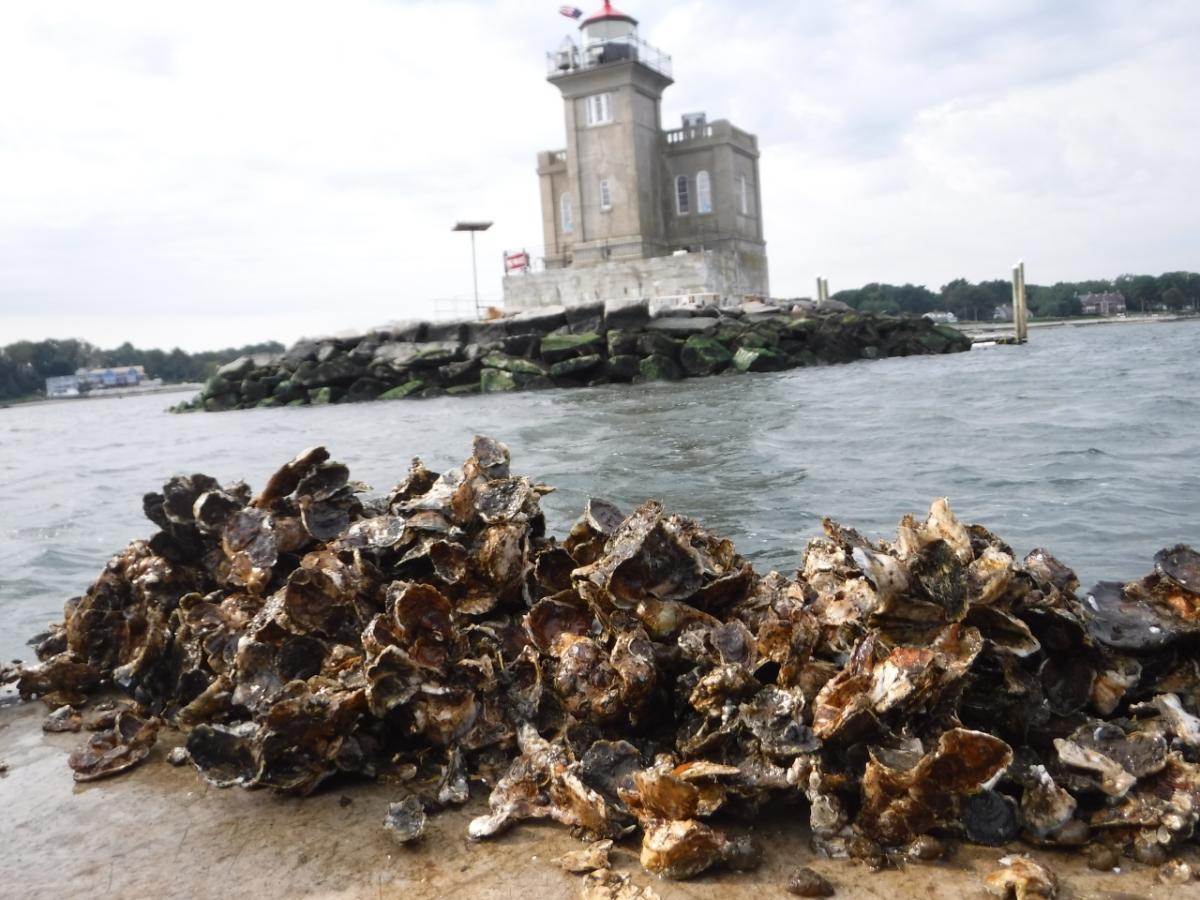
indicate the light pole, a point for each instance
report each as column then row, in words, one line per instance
column 474, row 227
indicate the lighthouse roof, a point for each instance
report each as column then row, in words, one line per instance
column 608, row 14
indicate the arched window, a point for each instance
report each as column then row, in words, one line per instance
column 682, row 204
column 568, row 219
column 743, row 195
column 703, row 194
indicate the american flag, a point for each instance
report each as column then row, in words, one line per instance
column 571, row 12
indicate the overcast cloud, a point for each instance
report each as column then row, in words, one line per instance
column 212, row 173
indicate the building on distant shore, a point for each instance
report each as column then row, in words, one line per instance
column 630, row 210
column 122, row 376
column 98, row 380
column 62, row 386
column 1109, row 303
column 941, row 318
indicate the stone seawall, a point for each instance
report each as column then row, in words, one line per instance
column 574, row 347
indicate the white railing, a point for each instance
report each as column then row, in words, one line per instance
column 629, row 48
column 451, row 309
column 679, row 135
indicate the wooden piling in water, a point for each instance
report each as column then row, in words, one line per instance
column 1020, row 310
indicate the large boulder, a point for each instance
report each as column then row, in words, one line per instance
column 702, row 355
column 759, row 335
column 396, row 354
column 305, row 375
column 585, row 318
column 621, row 343
column 623, row 367
column 340, row 370
column 655, row 342
column 578, row 367
column 301, row 351
column 236, row 370
column 538, row 321
column 626, row 314
column 758, row 308
column 433, row 354
column 287, row 391
column 956, row 341
column 497, row 381
column 220, row 402
column 460, row 373
column 759, row 359
column 323, row 396
column 525, row 345
column 657, row 367
column 254, row 389
column 408, row 389
column 557, row 347
column 515, row 365
column 683, row 328
column 365, row 389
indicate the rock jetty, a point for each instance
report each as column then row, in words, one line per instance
column 564, row 347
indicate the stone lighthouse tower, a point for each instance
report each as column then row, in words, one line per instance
column 612, row 98
column 630, row 210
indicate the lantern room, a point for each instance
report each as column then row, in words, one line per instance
column 608, row 25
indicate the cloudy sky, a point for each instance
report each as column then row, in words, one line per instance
column 176, row 172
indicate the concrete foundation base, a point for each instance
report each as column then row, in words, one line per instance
column 719, row 278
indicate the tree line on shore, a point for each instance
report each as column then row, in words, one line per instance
column 25, row 365
column 971, row 301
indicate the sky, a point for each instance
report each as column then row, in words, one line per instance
column 208, row 174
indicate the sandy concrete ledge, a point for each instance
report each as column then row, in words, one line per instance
column 158, row 831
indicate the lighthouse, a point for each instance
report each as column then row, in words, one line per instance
column 630, row 209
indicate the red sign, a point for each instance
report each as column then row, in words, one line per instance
column 515, row 261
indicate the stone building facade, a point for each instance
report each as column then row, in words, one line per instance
column 630, row 209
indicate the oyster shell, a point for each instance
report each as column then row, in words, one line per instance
column 1020, row 878
column 639, row 674
column 116, row 750
column 406, row 820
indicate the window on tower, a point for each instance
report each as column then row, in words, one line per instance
column 568, row 218
column 599, row 109
column 605, row 194
column 682, row 203
column 743, row 195
column 703, row 193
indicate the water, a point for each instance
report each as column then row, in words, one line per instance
column 1083, row 442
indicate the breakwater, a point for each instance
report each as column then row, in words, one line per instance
column 573, row 347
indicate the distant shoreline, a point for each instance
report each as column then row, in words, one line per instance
column 109, row 394
column 1005, row 328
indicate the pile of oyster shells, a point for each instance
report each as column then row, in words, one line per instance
column 638, row 675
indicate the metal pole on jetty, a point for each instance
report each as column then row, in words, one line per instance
column 473, row 227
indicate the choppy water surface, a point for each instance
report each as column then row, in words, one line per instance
column 1083, row 442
